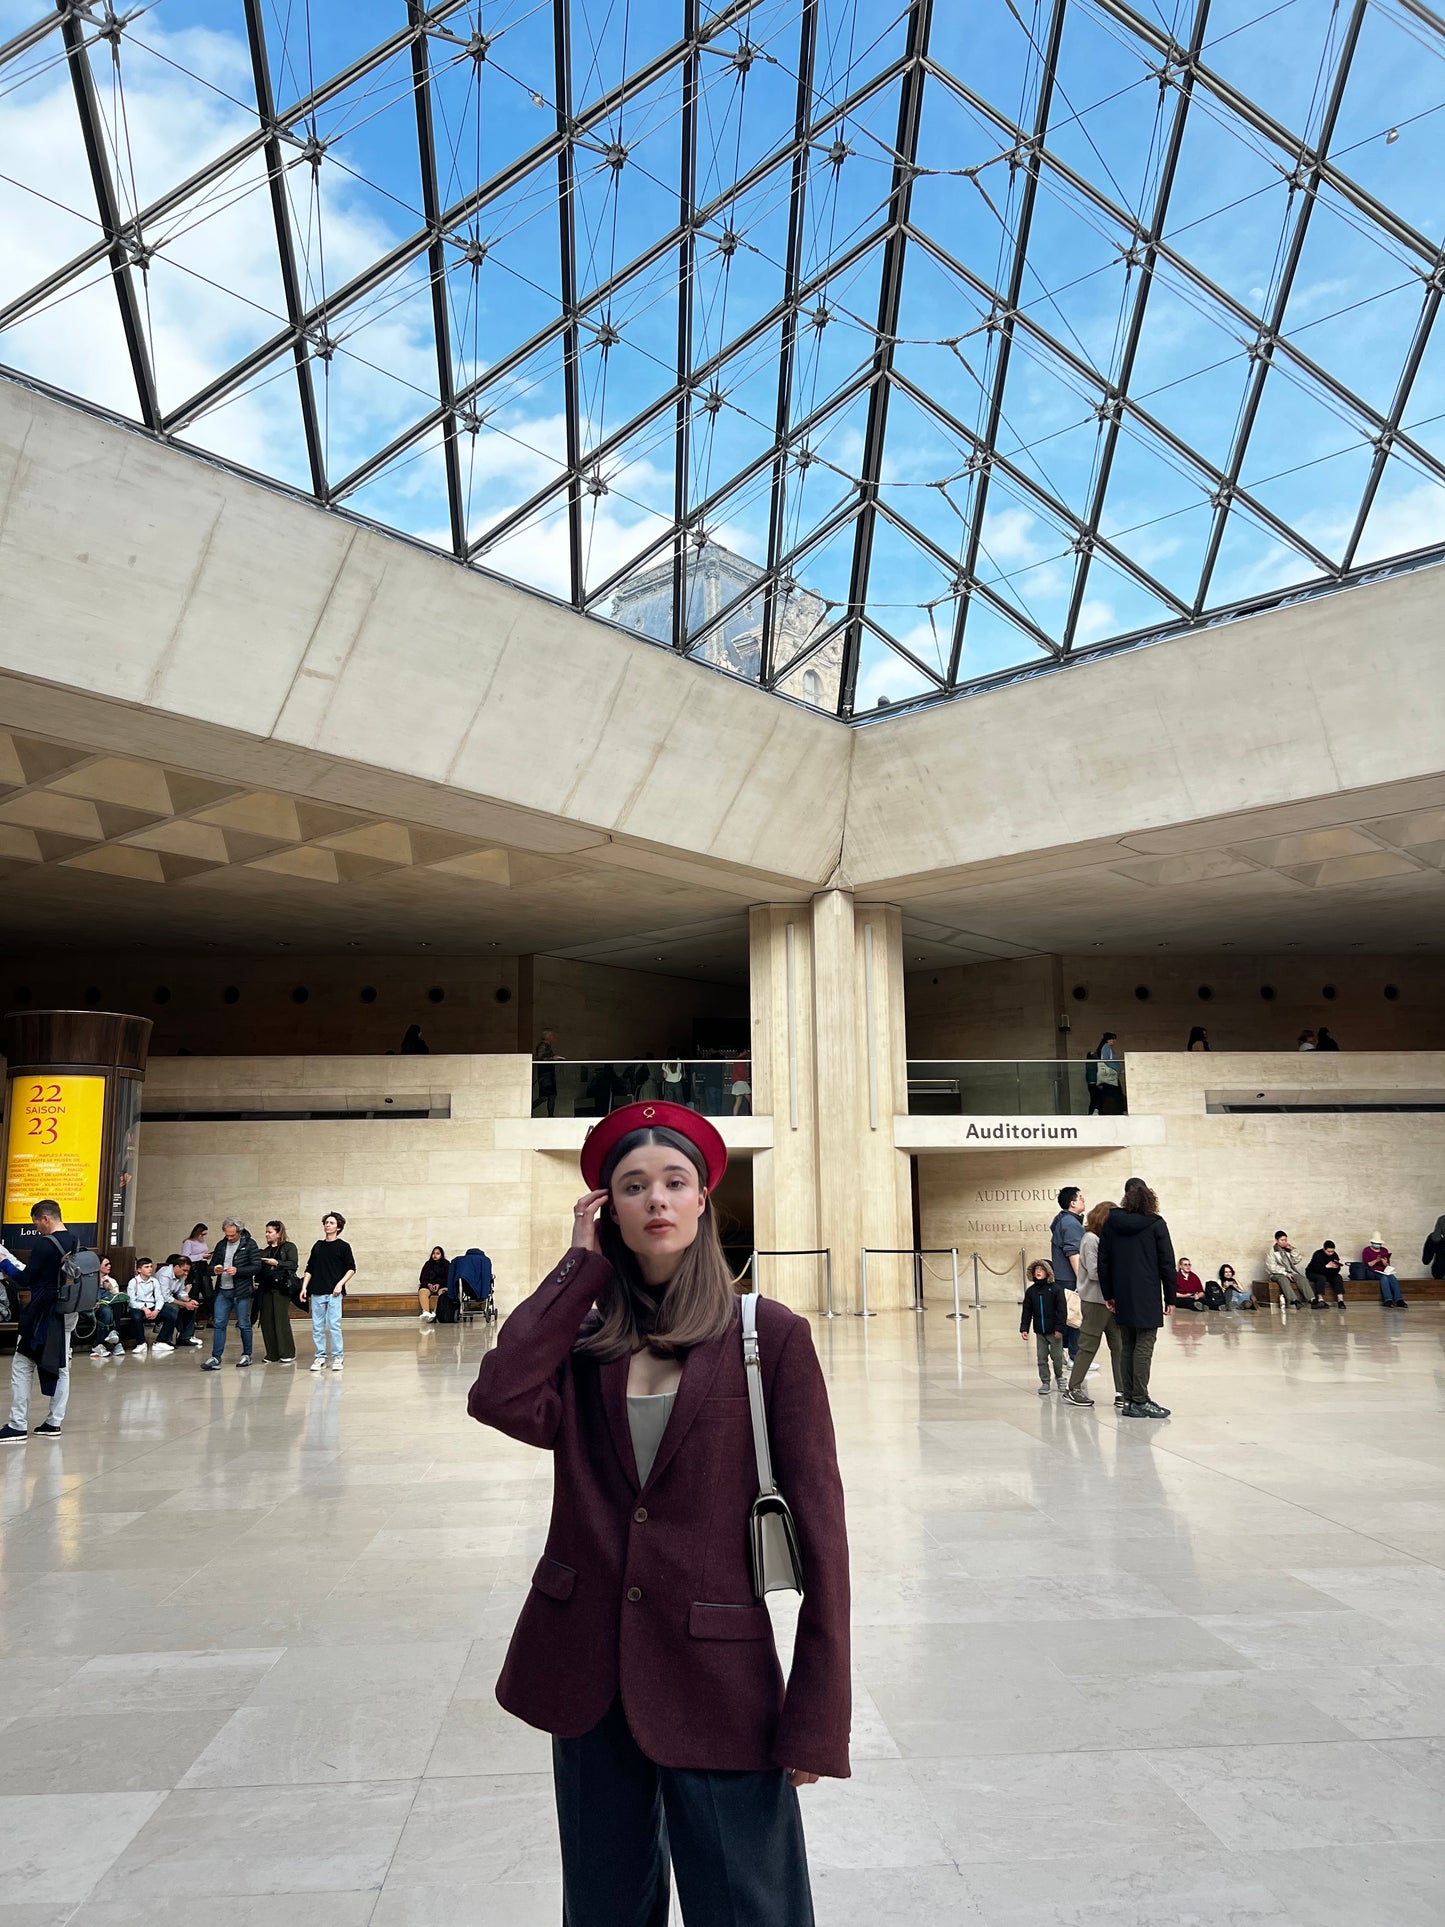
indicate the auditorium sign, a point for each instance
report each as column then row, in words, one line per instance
column 1059, row 1134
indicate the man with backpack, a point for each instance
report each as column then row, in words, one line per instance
column 58, row 1281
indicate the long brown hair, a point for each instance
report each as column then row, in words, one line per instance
column 1095, row 1220
column 1138, row 1197
column 695, row 1305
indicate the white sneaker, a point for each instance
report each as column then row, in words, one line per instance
column 430, row 1317
column 193, row 1341
column 164, row 1351
column 336, row 1364
column 138, row 1351
column 100, row 1352
column 318, row 1364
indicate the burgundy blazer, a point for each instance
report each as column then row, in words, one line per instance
column 644, row 1589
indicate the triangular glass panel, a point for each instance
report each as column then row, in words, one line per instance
column 214, row 289
column 47, row 216
column 628, row 501
column 1355, row 303
column 911, row 594
column 375, row 369
column 837, row 333
column 1078, row 285
column 176, row 94
column 410, row 494
column 625, row 172
column 822, row 473
column 991, row 643
column 1026, row 559
column 1286, row 61
column 726, row 600
column 815, row 680
column 536, row 552
column 611, row 43
column 738, row 261
column 925, row 474
column 484, row 111
column 75, row 341
column 513, row 441
column 747, row 99
column 885, row 676
column 945, row 348
column 1424, row 418
column 1253, row 561
column 1116, row 604
column 851, row 48
column 814, row 579
column 1307, row 460
column 1108, row 117
column 259, row 425
column 1157, row 511
column 644, row 601
column 1230, row 205
column 1408, row 513
column 732, row 418
column 504, row 274
column 995, row 53
column 850, row 179
column 628, row 352
column 1387, row 66
column 971, row 217
column 369, row 172
column 308, row 44
column 1050, row 430
column 1191, row 369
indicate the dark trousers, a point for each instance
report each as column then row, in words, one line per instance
column 221, row 1314
column 1136, row 1351
column 735, row 1839
column 274, row 1317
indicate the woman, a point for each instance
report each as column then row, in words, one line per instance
column 1136, row 1276
column 1237, row 1297
column 641, row 1647
column 1433, row 1250
column 1376, row 1258
column 198, row 1252
column 431, row 1282
column 1324, row 1039
column 1198, row 1038
column 274, row 1282
column 1101, row 1074
column 1306, row 1041
column 329, row 1270
column 742, row 1083
column 544, row 1078
column 1188, row 1285
column 1099, row 1321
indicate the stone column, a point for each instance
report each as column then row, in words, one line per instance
column 828, row 1065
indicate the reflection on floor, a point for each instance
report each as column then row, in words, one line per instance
column 1106, row 1671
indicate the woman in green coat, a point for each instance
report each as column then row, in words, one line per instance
column 274, row 1282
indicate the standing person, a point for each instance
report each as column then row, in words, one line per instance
column 742, row 1083
column 544, row 1087
column 1326, row 1272
column 1282, row 1272
column 329, row 1270
column 432, row 1281
column 1306, row 1041
column 234, row 1269
column 1376, row 1259
column 1136, row 1276
column 1106, row 1094
column 275, row 1280
column 1188, row 1285
column 1045, row 1314
column 178, row 1306
column 1066, row 1234
column 643, row 1647
column 199, row 1252
column 1433, row 1251
column 413, row 1044
column 42, row 1345
column 1198, row 1038
column 1099, row 1320
column 1324, row 1039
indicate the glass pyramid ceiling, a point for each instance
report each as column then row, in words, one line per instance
column 866, row 349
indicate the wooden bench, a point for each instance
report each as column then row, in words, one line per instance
column 1359, row 1292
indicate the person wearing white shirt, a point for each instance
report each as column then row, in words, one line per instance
column 147, row 1302
column 179, row 1307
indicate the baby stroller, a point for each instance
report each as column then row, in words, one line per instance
column 471, row 1284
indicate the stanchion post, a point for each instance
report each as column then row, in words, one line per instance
column 864, row 1313
column 918, row 1281
column 828, row 1279
column 956, row 1313
column 977, row 1301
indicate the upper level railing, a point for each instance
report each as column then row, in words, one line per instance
column 716, row 1086
column 1016, row 1086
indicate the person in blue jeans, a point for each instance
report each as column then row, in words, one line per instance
column 234, row 1265
column 329, row 1270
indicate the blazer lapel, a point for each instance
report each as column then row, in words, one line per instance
column 699, row 1370
column 614, row 1402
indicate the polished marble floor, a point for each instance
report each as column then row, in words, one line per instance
column 1136, row 1674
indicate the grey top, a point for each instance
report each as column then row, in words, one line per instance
column 1089, row 1290
column 647, row 1421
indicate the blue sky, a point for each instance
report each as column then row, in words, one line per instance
column 213, row 291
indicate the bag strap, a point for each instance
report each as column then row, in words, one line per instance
column 753, row 1371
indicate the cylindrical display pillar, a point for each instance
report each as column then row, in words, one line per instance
column 72, row 1117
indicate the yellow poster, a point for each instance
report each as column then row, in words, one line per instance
column 54, row 1149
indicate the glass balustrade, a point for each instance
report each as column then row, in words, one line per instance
column 567, row 1087
column 1016, row 1086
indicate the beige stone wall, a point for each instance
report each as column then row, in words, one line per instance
column 1006, row 1008
column 404, row 1185
column 598, row 1010
column 1225, row 1183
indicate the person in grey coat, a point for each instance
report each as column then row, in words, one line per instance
column 1136, row 1275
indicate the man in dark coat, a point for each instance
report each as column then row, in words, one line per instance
column 42, row 1349
column 1136, row 1275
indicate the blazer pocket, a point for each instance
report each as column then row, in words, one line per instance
column 729, row 1622
column 554, row 1579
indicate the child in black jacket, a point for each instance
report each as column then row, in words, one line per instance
column 1046, row 1315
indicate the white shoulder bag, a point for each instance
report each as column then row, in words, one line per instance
column 777, row 1565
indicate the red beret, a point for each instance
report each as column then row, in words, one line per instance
column 610, row 1132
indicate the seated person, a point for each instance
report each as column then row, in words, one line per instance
column 1237, row 1297
column 147, row 1302
column 178, row 1313
column 1282, row 1270
column 1376, row 1259
column 107, row 1338
column 1188, row 1285
column 432, row 1282
column 1326, row 1272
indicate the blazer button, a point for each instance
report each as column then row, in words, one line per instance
column 641, row 1514
column 634, row 1593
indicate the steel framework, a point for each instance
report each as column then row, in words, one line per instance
column 845, row 246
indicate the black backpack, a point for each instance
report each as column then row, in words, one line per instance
column 1214, row 1295
column 79, row 1288
column 447, row 1312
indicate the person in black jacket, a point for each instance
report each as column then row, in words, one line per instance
column 234, row 1264
column 1046, row 1315
column 42, row 1347
column 1326, row 1272
column 1136, row 1276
